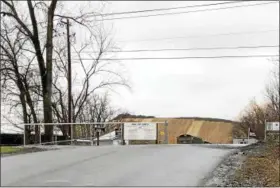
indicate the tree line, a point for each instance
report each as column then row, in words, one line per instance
column 34, row 64
column 255, row 114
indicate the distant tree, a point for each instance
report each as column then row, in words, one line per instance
column 272, row 95
column 255, row 115
column 128, row 115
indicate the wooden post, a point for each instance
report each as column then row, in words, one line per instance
column 91, row 134
column 24, row 143
column 97, row 138
column 157, row 141
column 166, row 132
column 265, row 130
column 122, row 132
column 40, row 136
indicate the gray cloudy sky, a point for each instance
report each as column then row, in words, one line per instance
column 218, row 88
column 194, row 87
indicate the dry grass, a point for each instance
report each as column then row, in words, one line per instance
column 262, row 170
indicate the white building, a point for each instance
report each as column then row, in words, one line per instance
column 244, row 141
column 272, row 126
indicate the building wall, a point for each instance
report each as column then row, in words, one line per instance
column 212, row 131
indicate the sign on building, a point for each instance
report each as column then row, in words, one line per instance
column 140, row 131
column 272, row 126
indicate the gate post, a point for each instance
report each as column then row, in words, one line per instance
column 40, row 136
column 24, row 135
column 91, row 136
column 122, row 132
column 97, row 138
column 166, row 132
column 157, row 140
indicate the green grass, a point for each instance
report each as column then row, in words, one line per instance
column 9, row 149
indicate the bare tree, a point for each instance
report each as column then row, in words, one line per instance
column 39, row 28
column 255, row 115
column 97, row 109
column 45, row 65
column 88, row 72
column 43, row 35
column 272, row 94
column 17, row 68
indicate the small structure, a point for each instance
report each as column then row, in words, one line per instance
column 272, row 131
column 244, row 141
column 272, row 126
column 189, row 139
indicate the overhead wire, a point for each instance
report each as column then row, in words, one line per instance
column 151, row 10
column 189, row 49
column 163, row 9
column 189, row 12
column 173, row 8
column 186, row 49
column 203, row 36
column 189, row 57
column 168, row 58
column 175, row 13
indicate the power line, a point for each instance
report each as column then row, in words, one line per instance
column 190, row 57
column 162, row 14
column 203, row 36
column 152, row 10
column 166, row 58
column 174, row 13
column 189, row 49
column 162, row 9
column 173, row 8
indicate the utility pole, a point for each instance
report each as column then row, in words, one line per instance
column 69, row 78
column 1, row 80
column 69, row 82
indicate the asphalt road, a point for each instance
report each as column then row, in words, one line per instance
column 146, row 165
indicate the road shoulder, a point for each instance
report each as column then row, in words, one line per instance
column 252, row 165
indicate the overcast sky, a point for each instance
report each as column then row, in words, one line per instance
column 218, row 88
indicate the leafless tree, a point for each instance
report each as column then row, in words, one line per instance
column 255, row 115
column 272, row 94
column 93, row 74
column 41, row 26
column 17, row 69
column 97, row 109
column 11, row 10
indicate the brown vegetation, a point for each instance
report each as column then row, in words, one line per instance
column 255, row 115
column 261, row 170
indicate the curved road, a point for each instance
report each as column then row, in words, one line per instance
column 146, row 165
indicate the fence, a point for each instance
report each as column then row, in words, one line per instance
column 93, row 133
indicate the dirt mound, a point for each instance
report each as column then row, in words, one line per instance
column 210, row 130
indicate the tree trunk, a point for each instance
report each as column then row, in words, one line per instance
column 47, row 80
column 25, row 120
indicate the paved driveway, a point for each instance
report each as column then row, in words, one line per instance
column 146, row 165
